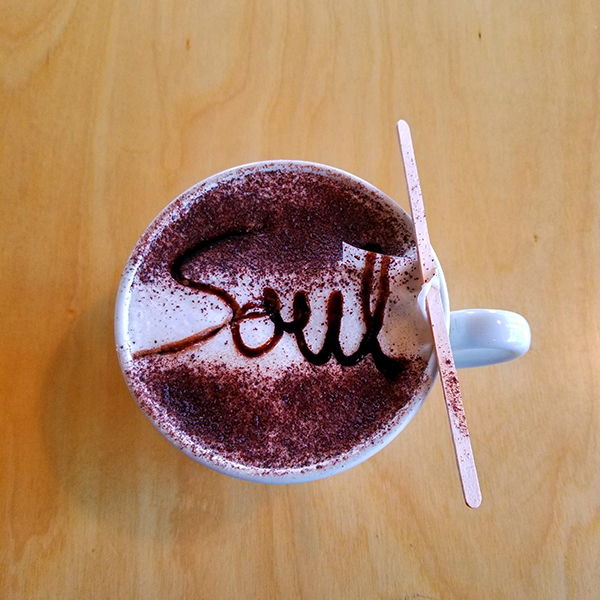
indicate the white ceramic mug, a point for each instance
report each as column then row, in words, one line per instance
column 479, row 337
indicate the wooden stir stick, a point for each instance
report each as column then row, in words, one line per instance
column 435, row 310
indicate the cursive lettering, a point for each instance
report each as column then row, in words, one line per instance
column 269, row 306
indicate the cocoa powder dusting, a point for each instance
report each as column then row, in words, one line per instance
column 306, row 417
column 271, row 223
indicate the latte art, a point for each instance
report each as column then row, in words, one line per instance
column 269, row 305
column 272, row 320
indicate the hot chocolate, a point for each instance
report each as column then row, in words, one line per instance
column 271, row 318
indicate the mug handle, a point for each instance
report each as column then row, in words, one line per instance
column 481, row 337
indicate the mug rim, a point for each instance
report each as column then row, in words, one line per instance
column 332, row 466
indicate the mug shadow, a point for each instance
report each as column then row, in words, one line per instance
column 108, row 459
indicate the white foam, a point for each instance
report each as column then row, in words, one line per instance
column 166, row 314
column 405, row 330
column 161, row 315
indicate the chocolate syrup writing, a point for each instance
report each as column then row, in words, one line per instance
column 269, row 305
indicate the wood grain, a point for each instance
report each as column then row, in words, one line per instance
column 109, row 109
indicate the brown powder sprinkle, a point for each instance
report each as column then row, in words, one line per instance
column 291, row 222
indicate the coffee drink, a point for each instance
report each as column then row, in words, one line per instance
column 269, row 318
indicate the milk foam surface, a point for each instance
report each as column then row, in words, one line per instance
column 160, row 316
column 290, row 230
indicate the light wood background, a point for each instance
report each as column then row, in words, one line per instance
column 109, row 109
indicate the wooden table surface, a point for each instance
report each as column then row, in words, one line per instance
column 110, row 109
